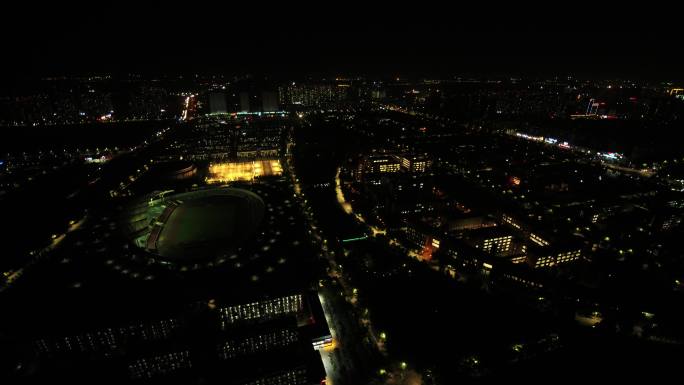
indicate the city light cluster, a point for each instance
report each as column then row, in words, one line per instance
column 243, row 171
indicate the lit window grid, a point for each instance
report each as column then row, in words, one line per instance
column 563, row 257
column 294, row 376
column 387, row 168
column 102, row 340
column 158, row 365
column 503, row 244
column 155, row 330
column 108, row 339
column 523, row 281
column 261, row 310
column 538, row 240
column 258, row 343
column 511, row 221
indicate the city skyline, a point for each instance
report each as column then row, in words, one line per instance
column 366, row 195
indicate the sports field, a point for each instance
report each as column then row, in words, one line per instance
column 243, row 171
column 207, row 225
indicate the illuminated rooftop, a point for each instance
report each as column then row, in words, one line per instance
column 243, row 171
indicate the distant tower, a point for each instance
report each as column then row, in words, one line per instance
column 244, row 102
column 269, row 101
column 217, row 103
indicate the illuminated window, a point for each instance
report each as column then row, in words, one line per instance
column 261, row 310
column 538, row 240
column 158, row 365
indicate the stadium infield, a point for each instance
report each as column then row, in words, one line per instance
column 206, row 224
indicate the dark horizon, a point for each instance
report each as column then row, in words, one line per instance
column 595, row 43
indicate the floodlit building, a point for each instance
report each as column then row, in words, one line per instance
column 381, row 164
column 414, row 163
column 544, row 257
column 491, row 240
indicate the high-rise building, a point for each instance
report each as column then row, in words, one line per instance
column 269, row 101
column 244, row 102
column 315, row 95
column 217, row 103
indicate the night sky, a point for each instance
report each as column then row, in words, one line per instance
column 163, row 38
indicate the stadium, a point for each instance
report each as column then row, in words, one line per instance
column 208, row 227
column 201, row 224
column 193, row 284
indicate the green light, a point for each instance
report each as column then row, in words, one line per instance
column 355, row 239
column 403, row 365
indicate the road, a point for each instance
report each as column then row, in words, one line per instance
column 350, row 359
column 347, row 207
